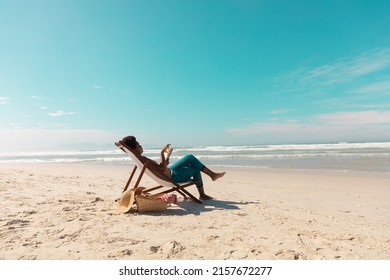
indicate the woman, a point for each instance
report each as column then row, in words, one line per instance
column 183, row 170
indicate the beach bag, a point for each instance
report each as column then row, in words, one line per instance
column 147, row 203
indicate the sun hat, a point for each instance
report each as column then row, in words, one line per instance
column 127, row 199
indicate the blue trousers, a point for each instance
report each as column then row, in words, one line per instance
column 186, row 168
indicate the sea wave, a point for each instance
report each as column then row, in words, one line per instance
column 334, row 146
column 348, row 156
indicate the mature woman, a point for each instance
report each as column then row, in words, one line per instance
column 184, row 169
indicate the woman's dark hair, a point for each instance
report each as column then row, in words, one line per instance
column 130, row 141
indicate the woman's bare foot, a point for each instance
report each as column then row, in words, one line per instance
column 205, row 197
column 216, row 176
column 202, row 195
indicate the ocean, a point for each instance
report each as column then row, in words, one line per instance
column 341, row 157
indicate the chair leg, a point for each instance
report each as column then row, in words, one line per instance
column 191, row 196
column 140, row 177
column 130, row 178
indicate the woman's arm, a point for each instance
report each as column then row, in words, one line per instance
column 152, row 164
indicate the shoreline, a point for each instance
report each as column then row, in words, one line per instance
column 67, row 211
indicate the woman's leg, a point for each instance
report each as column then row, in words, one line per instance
column 186, row 168
column 190, row 167
column 188, row 160
column 191, row 161
column 185, row 173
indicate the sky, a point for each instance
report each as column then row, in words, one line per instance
column 86, row 73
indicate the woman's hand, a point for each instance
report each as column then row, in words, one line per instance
column 167, row 148
column 165, row 153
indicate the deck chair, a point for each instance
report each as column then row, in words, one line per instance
column 157, row 175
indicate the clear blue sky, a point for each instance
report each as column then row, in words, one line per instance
column 193, row 72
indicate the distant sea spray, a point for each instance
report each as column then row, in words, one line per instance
column 369, row 157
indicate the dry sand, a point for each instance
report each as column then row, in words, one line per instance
column 68, row 212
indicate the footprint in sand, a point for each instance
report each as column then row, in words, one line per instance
column 97, row 199
column 212, row 237
column 238, row 255
column 170, row 249
column 28, row 257
column 126, row 252
column 21, row 223
column 28, row 213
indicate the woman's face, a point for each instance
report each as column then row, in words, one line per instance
column 138, row 148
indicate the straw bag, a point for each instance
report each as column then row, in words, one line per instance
column 149, row 204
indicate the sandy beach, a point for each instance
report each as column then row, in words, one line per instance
column 68, row 211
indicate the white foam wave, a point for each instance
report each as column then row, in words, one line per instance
column 373, row 156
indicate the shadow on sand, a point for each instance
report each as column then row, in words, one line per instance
column 190, row 208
